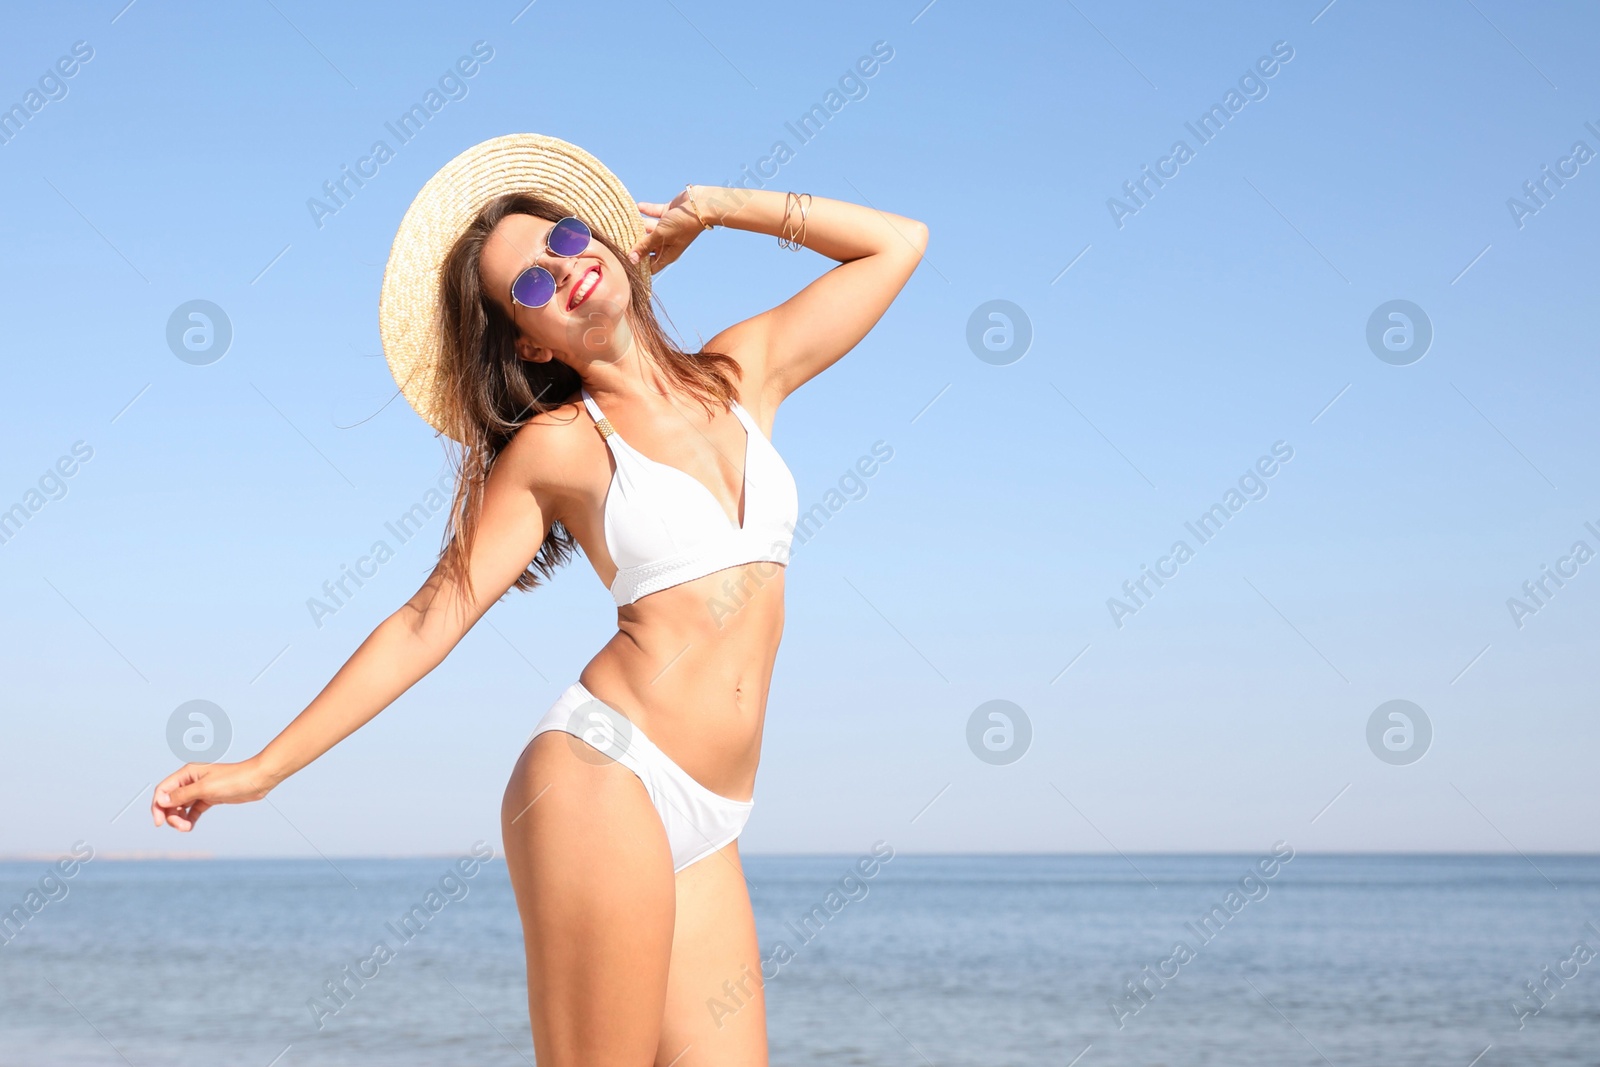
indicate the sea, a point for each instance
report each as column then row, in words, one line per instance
column 1276, row 960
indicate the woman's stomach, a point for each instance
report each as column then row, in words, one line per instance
column 691, row 666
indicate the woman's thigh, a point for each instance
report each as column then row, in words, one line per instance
column 592, row 872
column 716, row 1014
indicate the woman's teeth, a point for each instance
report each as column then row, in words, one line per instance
column 585, row 286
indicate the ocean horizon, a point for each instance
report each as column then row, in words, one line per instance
column 1274, row 957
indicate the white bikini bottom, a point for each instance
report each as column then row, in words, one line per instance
column 698, row 821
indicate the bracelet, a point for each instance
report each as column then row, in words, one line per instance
column 795, row 241
column 783, row 224
column 704, row 225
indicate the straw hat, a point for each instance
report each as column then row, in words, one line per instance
column 409, row 317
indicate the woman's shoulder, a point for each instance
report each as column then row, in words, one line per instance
column 553, row 449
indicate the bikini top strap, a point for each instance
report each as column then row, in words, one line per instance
column 601, row 423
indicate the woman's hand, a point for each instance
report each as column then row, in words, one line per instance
column 668, row 230
column 184, row 795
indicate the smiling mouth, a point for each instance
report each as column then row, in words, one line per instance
column 585, row 286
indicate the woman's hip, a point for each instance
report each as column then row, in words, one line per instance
column 696, row 820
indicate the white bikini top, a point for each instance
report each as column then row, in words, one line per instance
column 663, row 527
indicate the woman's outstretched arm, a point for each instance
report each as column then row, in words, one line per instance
column 800, row 338
column 401, row 650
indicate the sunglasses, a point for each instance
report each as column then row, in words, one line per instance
column 535, row 286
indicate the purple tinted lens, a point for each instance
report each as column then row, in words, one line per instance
column 568, row 237
column 534, row 287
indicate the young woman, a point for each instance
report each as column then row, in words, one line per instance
column 516, row 318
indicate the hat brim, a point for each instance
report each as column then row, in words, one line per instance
column 409, row 319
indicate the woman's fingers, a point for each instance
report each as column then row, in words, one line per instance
column 178, row 800
column 189, row 791
column 665, row 236
column 161, row 804
column 172, row 781
column 197, row 809
column 645, row 243
column 183, row 817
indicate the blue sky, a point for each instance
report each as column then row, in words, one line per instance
column 1172, row 347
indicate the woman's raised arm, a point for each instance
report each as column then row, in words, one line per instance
column 805, row 335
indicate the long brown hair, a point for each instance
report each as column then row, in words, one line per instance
column 490, row 393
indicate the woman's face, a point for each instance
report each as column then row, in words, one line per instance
column 589, row 304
